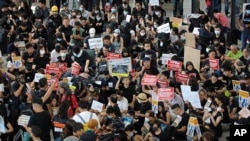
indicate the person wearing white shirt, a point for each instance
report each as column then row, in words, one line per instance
column 84, row 116
column 55, row 53
column 122, row 102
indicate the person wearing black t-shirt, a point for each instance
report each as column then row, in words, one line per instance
column 28, row 55
column 64, row 57
column 66, row 29
column 41, row 118
column 218, row 85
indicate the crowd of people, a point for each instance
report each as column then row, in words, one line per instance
column 58, row 85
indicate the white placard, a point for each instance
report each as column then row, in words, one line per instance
column 1, row 87
column 2, row 125
column 192, row 97
column 193, row 15
column 165, row 28
column 166, row 57
column 38, row 76
column 121, row 61
column 128, row 18
column 95, row 43
column 196, row 31
column 23, row 120
column 154, row 2
column 96, row 105
column 1, row 53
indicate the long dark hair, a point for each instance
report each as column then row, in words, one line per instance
column 63, row 110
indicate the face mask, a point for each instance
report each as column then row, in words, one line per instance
column 155, row 25
column 20, row 18
column 55, row 14
column 131, row 134
column 98, row 18
column 113, row 10
column 183, row 38
column 78, row 16
column 248, row 11
column 217, row 32
column 63, row 54
column 75, row 54
column 59, row 39
column 96, row 12
column 112, row 17
column 110, row 116
column 142, row 33
column 115, row 34
column 146, row 120
column 81, row 9
column 154, row 128
column 42, row 52
column 161, row 44
column 157, row 13
column 91, row 35
column 125, row 12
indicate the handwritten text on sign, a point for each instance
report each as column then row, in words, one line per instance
column 149, row 80
column 164, row 28
column 95, row 43
column 174, row 65
column 214, row 64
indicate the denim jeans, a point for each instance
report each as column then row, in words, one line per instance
column 244, row 37
column 226, row 6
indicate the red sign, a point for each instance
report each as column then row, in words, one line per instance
column 149, row 80
column 61, row 66
column 192, row 74
column 50, row 81
column 181, row 78
column 111, row 56
column 75, row 68
column 214, row 64
column 163, row 83
column 53, row 69
column 174, row 65
column 166, row 94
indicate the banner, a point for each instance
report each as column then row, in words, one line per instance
column 174, row 65
column 166, row 94
column 243, row 98
column 95, row 43
column 214, row 64
column 62, row 66
column 191, row 96
column 163, row 83
column 120, row 61
column 154, row 2
column 120, row 70
column 149, row 80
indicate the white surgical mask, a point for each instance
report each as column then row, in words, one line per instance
column 78, row 16
column 98, row 18
column 91, row 35
column 42, row 52
column 161, row 44
column 125, row 12
column 146, row 119
column 142, row 33
column 157, row 13
column 115, row 34
column 183, row 38
column 81, row 9
column 63, row 54
column 113, row 10
column 217, row 32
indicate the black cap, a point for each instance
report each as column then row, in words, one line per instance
column 65, row 4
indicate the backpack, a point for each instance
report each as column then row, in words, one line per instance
column 85, row 124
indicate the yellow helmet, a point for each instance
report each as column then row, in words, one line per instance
column 54, row 8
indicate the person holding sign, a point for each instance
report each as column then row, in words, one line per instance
column 218, row 85
column 155, row 14
column 82, row 58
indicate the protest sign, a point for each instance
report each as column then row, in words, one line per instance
column 96, row 105
column 50, row 81
column 191, row 96
column 53, row 69
column 181, row 78
column 149, row 80
column 236, row 85
column 17, row 61
column 163, row 83
column 193, row 55
column 120, row 61
column 155, row 106
column 20, row 44
column 190, row 40
column 176, row 22
column 38, row 76
column 166, row 57
column 243, row 98
column 128, row 18
column 244, row 112
column 193, row 126
column 166, row 94
column 112, row 56
column 23, row 120
column 174, row 65
column 120, row 70
column 95, row 43
column 75, row 68
column 214, row 64
column 154, row 2
column 165, row 28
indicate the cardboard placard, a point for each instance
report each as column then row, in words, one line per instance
column 243, row 98
column 190, row 40
column 17, row 61
column 193, row 55
column 236, row 85
column 155, row 106
column 176, row 22
column 174, row 65
column 154, row 2
column 166, row 94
